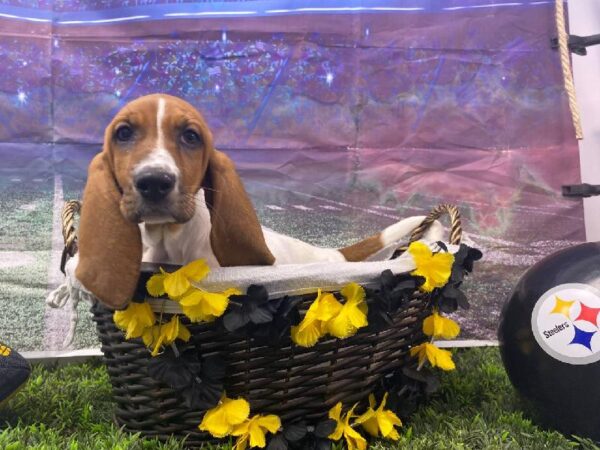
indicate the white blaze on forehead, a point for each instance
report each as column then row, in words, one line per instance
column 160, row 115
column 159, row 158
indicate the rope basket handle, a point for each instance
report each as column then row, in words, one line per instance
column 436, row 213
column 73, row 207
column 69, row 232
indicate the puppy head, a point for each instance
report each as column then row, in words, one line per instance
column 159, row 148
column 158, row 152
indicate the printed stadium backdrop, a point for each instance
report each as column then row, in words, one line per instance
column 342, row 116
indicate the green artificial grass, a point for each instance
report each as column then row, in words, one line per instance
column 70, row 408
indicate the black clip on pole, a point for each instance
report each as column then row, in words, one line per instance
column 578, row 44
column 581, row 190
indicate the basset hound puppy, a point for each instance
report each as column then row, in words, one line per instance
column 160, row 192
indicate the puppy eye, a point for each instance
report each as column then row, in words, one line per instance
column 124, row 133
column 191, row 138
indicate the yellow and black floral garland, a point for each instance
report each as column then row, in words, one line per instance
column 437, row 274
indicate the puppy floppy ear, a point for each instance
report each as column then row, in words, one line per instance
column 110, row 246
column 236, row 236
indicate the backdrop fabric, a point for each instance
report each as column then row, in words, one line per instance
column 342, row 116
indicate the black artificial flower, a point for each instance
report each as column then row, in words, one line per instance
column 449, row 298
column 174, row 368
column 466, row 256
column 300, row 436
column 285, row 314
column 464, row 259
column 288, row 435
column 388, row 296
column 425, row 376
column 252, row 308
column 318, row 439
column 207, row 387
column 200, row 381
column 407, row 388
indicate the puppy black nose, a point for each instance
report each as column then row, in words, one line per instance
column 154, row 186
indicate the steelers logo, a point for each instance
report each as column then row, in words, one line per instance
column 565, row 323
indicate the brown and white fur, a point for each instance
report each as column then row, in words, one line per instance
column 160, row 192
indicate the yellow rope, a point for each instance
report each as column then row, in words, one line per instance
column 563, row 45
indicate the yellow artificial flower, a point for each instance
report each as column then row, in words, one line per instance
column 380, row 421
column 253, row 431
column 434, row 267
column 436, row 356
column 221, row 420
column 354, row 439
column 135, row 319
column 314, row 324
column 202, row 306
column 438, row 326
column 352, row 315
column 177, row 283
column 165, row 334
column 335, row 413
column 156, row 284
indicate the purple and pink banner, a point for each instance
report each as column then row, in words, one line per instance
column 342, row 116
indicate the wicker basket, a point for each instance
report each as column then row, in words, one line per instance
column 287, row 380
